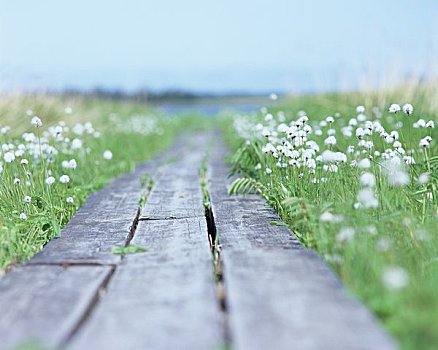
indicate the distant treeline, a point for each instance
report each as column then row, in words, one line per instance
column 148, row 96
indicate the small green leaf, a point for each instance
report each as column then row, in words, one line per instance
column 278, row 223
column 130, row 249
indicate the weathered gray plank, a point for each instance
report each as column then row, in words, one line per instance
column 176, row 192
column 85, row 242
column 277, row 287
column 245, row 223
column 161, row 299
column 46, row 303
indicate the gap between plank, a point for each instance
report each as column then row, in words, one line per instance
column 90, row 308
column 218, row 265
column 168, row 218
column 101, row 291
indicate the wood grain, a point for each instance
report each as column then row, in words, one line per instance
column 44, row 304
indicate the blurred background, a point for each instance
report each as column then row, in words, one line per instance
column 215, row 47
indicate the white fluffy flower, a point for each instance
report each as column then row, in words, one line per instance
column 424, row 143
column 50, row 180
column 360, row 109
column 69, row 164
column 394, row 171
column 364, row 163
column 329, row 217
column 331, row 132
column 409, row 160
column 347, row 131
column 64, row 179
column 17, row 181
column 78, row 129
column 36, row 122
column 395, row 277
column 76, row 144
column 397, row 144
column 4, row 130
column 24, row 162
column 268, row 171
column 27, row 199
column 361, row 117
column 72, row 164
column 107, row 155
column 368, row 180
column 353, row 122
column 367, row 199
column 269, row 117
column 23, row 216
column 345, row 234
column 266, row 132
column 329, row 156
column 430, row 124
column 421, row 123
column 330, row 141
column 394, row 108
column 408, row 108
column 360, row 133
column 69, row 200
column 9, row 157
column 389, row 139
column 423, row 178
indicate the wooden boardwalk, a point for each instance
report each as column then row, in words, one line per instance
column 262, row 291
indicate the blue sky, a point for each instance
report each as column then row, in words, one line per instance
column 218, row 46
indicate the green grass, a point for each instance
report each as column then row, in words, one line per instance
column 388, row 256
column 129, row 130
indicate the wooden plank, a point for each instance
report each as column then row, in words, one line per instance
column 277, row 287
column 85, row 242
column 46, row 303
column 300, row 304
column 238, row 218
column 176, row 192
column 161, row 299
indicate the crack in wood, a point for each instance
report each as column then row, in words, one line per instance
column 218, row 265
column 133, row 227
column 166, row 218
column 100, row 293
column 69, row 264
column 213, row 239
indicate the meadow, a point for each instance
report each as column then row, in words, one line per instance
column 57, row 150
column 355, row 178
